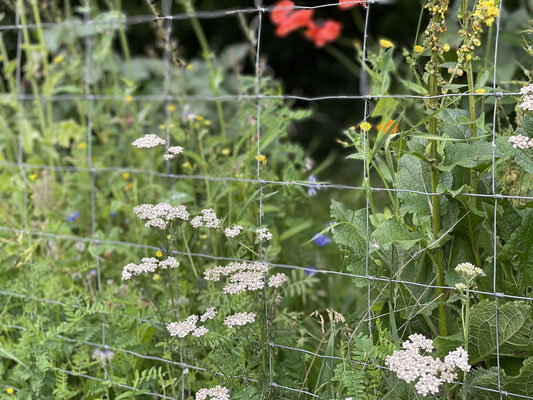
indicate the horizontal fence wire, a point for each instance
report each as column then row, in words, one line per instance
column 94, row 240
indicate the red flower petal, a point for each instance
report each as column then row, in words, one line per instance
column 295, row 20
column 328, row 32
column 281, row 11
column 345, row 4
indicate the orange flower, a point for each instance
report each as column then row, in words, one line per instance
column 389, row 125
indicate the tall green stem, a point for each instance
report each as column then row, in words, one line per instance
column 435, row 202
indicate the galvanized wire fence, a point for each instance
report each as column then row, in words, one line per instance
column 166, row 97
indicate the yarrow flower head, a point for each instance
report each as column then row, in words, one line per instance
column 241, row 276
column 209, row 313
column 413, row 363
column 160, row 214
column 233, row 231
column 148, row 141
column 468, row 270
column 527, row 97
column 216, row 393
column 147, row 265
column 521, row 142
column 263, row 234
column 182, row 329
column 173, row 151
column 277, row 280
column 208, row 218
column 239, row 319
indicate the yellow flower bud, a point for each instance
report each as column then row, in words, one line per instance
column 386, row 44
column 419, row 49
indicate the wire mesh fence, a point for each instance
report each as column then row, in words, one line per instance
column 93, row 172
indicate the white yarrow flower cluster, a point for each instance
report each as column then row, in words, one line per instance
column 208, row 217
column 159, row 215
column 148, row 141
column 182, row 329
column 468, row 270
column 241, row 276
column 233, row 231
column 216, row 393
column 410, row 365
column 209, row 313
column 148, row 265
column 173, row 151
column 263, row 234
column 521, row 142
column 527, row 97
column 239, row 319
column 277, row 280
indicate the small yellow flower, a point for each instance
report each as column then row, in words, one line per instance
column 203, row 236
column 10, row 391
column 352, row 128
column 419, row 49
column 169, row 237
column 199, row 118
column 82, row 145
column 262, row 159
column 171, row 108
column 207, row 122
column 171, row 126
column 365, row 126
column 58, row 59
column 162, row 127
column 225, row 152
column 468, row 57
column 128, row 187
column 156, row 277
column 186, row 165
column 126, row 175
column 386, row 44
column 32, row 177
column 158, row 253
column 480, row 91
column 189, row 66
column 128, row 99
column 446, row 47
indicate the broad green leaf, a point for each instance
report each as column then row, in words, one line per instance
column 468, row 155
column 414, row 175
column 514, row 330
column 520, row 384
column 391, row 231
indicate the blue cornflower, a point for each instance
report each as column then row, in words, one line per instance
column 70, row 218
column 76, row 214
column 321, row 240
column 312, row 189
column 310, row 271
column 113, row 214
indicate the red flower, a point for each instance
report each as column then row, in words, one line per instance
column 345, row 4
column 288, row 20
column 321, row 35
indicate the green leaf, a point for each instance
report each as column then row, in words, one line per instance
column 413, row 87
column 385, row 105
column 414, row 175
column 391, row 231
column 514, row 331
column 468, row 155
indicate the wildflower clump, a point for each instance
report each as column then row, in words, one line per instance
column 487, row 11
column 521, row 142
column 159, row 215
column 468, row 270
column 148, row 265
column 239, row 319
column 413, row 363
column 241, row 276
column 208, row 218
column 148, row 141
column 233, row 231
column 263, row 234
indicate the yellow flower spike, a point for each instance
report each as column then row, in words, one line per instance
column 203, row 236
column 480, row 91
column 58, row 59
column 171, row 108
column 186, row 165
column 446, row 47
column 32, row 177
column 128, row 187
column 364, row 125
column 82, row 146
column 128, row 99
column 386, row 44
column 468, row 57
column 189, row 66
column 225, row 152
column 158, row 253
column 156, row 277
column 126, row 175
column 419, row 49
column 10, row 391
